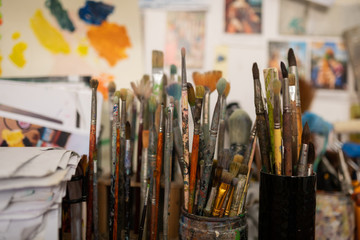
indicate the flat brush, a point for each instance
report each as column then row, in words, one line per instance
column 311, row 159
column 209, row 153
column 224, row 187
column 239, row 189
column 287, row 123
column 261, row 123
column 213, row 192
column 239, row 131
column 293, row 69
column 195, row 145
column 234, row 183
column 277, row 127
column 92, row 148
column 305, row 138
column 185, row 127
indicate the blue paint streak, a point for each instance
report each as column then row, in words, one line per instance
column 95, row 12
column 60, row 14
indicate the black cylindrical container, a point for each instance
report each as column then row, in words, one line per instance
column 287, row 207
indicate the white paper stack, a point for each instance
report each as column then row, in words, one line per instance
column 32, row 185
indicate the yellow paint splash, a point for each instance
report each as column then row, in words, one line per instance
column 48, row 35
column 17, row 54
column 82, row 49
column 15, row 35
column 110, row 41
column 13, row 138
column 0, row 65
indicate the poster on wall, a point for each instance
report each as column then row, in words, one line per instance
column 328, row 65
column 306, row 18
column 185, row 29
column 65, row 37
column 243, row 16
column 278, row 52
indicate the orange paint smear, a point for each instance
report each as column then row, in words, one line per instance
column 104, row 80
column 110, row 41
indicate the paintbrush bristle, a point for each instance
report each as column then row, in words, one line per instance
column 199, row 79
column 276, row 86
column 227, row 89
column 226, row 177
column 191, row 94
column 311, row 153
column 255, row 71
column 123, row 94
column 284, row 71
column 183, row 52
column 306, row 134
column 94, row 83
column 221, row 85
column 157, row 59
column 238, row 158
column 291, row 79
column 239, row 127
column 243, row 169
column 145, row 79
column 117, row 94
column 145, row 138
column 174, row 90
column 291, row 57
column 129, row 98
column 173, row 69
column 212, row 79
column 200, row 91
column 152, row 104
column 127, row 130
column 111, row 87
column 234, row 168
column 115, row 99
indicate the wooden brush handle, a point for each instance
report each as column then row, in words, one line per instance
column 139, row 153
column 264, row 141
column 287, row 140
column 116, row 191
column 277, row 150
column 299, row 128
column 193, row 169
column 92, row 147
column 154, row 222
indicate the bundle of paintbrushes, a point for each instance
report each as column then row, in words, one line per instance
column 284, row 145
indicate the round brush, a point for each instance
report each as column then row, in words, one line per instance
column 239, row 131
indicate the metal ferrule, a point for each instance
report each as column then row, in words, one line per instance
column 286, row 95
column 161, row 125
column 292, row 93
column 206, row 107
column 293, row 70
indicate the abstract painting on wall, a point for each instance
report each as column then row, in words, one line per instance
column 64, row 37
column 185, row 29
column 243, row 16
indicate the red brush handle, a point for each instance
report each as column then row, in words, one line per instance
column 193, row 169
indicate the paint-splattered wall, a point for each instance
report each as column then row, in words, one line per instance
column 71, row 37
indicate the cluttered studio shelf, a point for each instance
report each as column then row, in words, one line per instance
column 179, row 119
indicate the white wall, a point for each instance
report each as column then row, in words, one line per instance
column 243, row 51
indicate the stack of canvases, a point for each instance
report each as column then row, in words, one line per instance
column 32, row 186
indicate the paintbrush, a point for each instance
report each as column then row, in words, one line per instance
column 225, row 182
column 114, row 169
column 277, row 127
column 127, row 165
column 294, row 144
column 305, row 138
column 159, row 160
column 95, row 198
column 239, row 189
column 157, row 74
column 261, row 123
column 198, row 177
column 173, row 74
column 179, row 146
column 152, row 137
column 191, row 98
column 244, row 194
column 293, row 69
column 117, row 178
column 185, row 127
column 234, row 183
column 121, row 176
column 144, row 209
column 221, row 135
column 311, row 159
column 195, row 145
column 287, row 126
column 92, row 147
column 269, row 75
column 167, row 166
column 239, row 131
column 215, row 185
column 133, row 134
column 209, row 153
column 111, row 91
